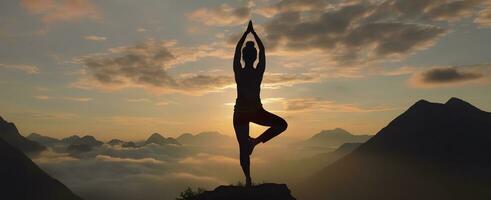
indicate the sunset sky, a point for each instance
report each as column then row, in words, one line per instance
column 125, row 69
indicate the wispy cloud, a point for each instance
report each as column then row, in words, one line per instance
column 141, row 30
column 68, row 98
column 318, row 105
column 224, row 15
column 94, row 38
column 51, row 11
column 29, row 69
column 313, row 104
column 139, row 100
column 483, row 19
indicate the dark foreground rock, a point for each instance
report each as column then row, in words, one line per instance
column 266, row 191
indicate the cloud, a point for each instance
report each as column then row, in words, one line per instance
column 450, row 76
column 52, row 11
column 128, row 160
column 141, row 30
column 277, row 80
column 203, row 158
column 444, row 75
column 150, row 172
column 430, row 10
column 159, row 172
column 146, row 65
column 483, row 19
column 94, row 38
column 47, row 115
column 353, row 34
column 224, row 15
column 29, row 69
column 350, row 34
column 143, row 121
column 313, row 104
column 68, row 98
column 139, row 100
column 316, row 105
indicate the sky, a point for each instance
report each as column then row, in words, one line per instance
column 126, row 69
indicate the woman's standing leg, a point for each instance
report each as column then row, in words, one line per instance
column 241, row 126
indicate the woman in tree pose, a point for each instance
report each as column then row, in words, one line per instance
column 248, row 107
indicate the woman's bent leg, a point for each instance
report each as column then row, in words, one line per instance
column 276, row 125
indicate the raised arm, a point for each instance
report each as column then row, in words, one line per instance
column 261, row 65
column 237, row 56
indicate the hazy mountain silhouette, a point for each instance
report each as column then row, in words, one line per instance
column 116, row 142
column 431, row 151
column 44, row 140
column 70, row 140
column 347, row 148
column 299, row 169
column 161, row 140
column 22, row 179
column 85, row 140
column 265, row 191
column 335, row 138
column 76, row 144
column 205, row 139
column 10, row 134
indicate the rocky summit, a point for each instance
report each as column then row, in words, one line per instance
column 265, row 191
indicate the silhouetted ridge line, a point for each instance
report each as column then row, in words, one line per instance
column 161, row 140
column 10, row 134
column 20, row 178
column 431, row 151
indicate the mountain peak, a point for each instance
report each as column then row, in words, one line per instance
column 156, row 136
column 460, row 104
column 455, row 100
column 336, row 131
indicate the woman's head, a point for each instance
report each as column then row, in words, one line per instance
column 249, row 52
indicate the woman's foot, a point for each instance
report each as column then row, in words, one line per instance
column 252, row 143
column 248, row 182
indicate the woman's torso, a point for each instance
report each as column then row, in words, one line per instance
column 248, row 89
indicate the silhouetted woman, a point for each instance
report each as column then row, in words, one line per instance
column 248, row 107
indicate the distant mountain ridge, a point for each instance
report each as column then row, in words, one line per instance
column 10, row 134
column 20, row 178
column 116, row 142
column 156, row 138
column 42, row 139
column 205, row 138
column 431, row 151
column 335, row 138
